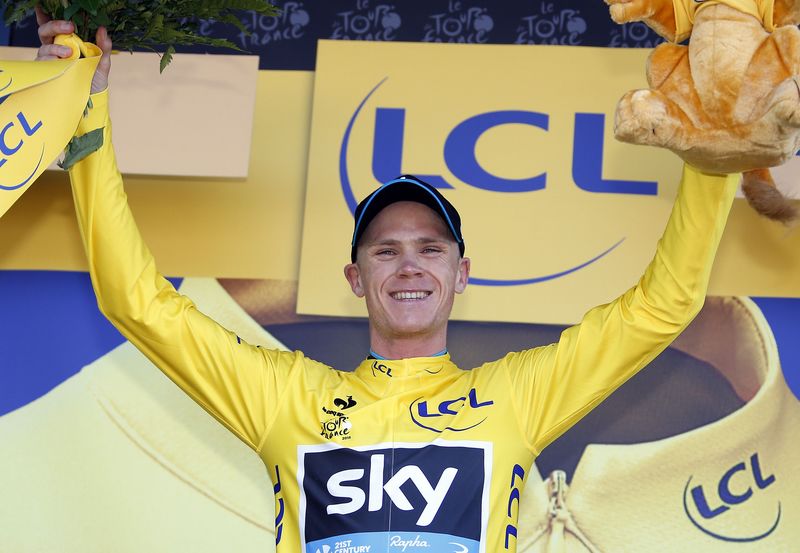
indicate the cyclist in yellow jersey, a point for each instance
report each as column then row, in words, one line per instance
column 408, row 452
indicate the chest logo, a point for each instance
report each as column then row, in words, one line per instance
column 336, row 424
column 738, row 499
column 378, row 367
column 414, row 497
column 436, row 417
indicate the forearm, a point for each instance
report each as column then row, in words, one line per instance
column 615, row 340
column 191, row 349
column 673, row 286
column 120, row 264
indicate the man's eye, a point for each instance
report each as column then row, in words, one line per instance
column 431, row 249
column 384, row 252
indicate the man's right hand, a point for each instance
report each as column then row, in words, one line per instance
column 49, row 29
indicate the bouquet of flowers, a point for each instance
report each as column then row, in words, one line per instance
column 44, row 100
column 150, row 24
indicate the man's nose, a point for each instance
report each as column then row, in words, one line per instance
column 409, row 266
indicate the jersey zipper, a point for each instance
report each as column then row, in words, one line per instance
column 560, row 521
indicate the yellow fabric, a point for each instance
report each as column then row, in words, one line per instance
column 40, row 105
column 140, row 467
column 686, row 10
column 638, row 497
column 342, row 448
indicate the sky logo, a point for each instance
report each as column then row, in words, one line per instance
column 418, row 496
column 708, row 505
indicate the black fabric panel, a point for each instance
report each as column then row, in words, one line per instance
column 290, row 40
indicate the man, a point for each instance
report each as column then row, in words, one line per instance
column 408, row 452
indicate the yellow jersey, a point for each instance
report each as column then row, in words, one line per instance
column 397, row 455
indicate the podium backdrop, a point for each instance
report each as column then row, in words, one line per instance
column 74, row 398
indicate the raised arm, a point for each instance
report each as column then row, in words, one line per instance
column 557, row 384
column 237, row 383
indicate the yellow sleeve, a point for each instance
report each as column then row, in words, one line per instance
column 237, row 383
column 684, row 18
column 554, row 386
column 685, row 12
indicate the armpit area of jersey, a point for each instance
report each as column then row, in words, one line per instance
column 730, row 485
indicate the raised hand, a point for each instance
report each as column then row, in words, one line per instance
column 49, row 29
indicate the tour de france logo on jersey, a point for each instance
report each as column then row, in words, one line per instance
column 401, row 497
column 335, row 424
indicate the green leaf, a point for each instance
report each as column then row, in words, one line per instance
column 148, row 24
column 89, row 5
column 166, row 57
column 80, row 147
column 89, row 106
column 71, row 10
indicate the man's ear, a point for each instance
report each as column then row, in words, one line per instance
column 353, row 276
column 463, row 274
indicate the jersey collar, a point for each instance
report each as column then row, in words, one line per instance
column 383, row 373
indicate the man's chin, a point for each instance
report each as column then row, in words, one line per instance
column 416, row 329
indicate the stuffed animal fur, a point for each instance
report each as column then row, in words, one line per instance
column 727, row 102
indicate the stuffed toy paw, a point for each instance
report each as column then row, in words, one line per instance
column 727, row 102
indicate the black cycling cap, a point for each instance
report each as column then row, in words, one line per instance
column 406, row 188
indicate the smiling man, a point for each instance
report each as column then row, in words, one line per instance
column 408, row 452
column 407, row 262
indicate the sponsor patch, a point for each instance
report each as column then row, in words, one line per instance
column 406, row 498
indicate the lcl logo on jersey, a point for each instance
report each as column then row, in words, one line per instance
column 740, row 490
column 411, row 494
column 379, row 368
column 437, row 416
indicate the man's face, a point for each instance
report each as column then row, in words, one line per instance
column 408, row 269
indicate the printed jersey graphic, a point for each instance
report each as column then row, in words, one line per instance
column 409, row 497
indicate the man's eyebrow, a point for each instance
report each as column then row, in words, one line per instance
column 420, row 240
column 431, row 240
column 384, row 242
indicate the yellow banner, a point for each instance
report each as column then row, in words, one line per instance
column 40, row 107
column 234, row 228
column 557, row 216
column 251, row 228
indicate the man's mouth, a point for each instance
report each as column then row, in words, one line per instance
column 410, row 295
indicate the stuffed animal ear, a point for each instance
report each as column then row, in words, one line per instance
column 786, row 12
column 659, row 15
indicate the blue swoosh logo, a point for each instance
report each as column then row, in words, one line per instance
column 720, row 536
column 23, row 183
column 10, row 80
column 350, row 199
column 452, row 429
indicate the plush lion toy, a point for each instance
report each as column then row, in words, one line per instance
column 727, row 102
